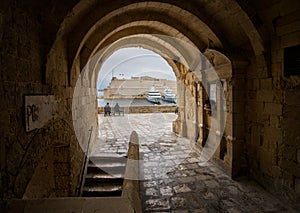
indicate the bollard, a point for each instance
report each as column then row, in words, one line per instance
column 131, row 184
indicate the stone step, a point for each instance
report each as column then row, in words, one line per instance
column 113, row 169
column 106, row 164
column 105, row 176
column 110, row 159
column 102, row 191
column 100, row 180
column 108, row 154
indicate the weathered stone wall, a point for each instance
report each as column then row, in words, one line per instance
column 202, row 124
column 190, row 112
column 237, row 116
column 289, row 151
column 42, row 182
column 84, row 118
column 21, row 65
column 273, row 111
column 46, row 161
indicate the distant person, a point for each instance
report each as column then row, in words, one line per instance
column 107, row 109
column 117, row 109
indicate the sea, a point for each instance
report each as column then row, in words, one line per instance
column 125, row 102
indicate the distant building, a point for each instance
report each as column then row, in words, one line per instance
column 136, row 87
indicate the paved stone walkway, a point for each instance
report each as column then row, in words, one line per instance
column 172, row 179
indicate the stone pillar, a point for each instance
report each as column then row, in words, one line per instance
column 181, row 127
column 183, row 119
column 219, row 118
column 238, row 118
column 190, row 105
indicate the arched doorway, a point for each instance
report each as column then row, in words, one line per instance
column 91, row 29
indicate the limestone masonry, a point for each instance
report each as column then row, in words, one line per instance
column 136, row 87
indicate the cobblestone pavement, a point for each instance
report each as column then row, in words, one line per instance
column 172, row 179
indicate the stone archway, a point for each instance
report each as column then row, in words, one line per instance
column 103, row 30
column 193, row 122
column 45, row 45
column 74, row 37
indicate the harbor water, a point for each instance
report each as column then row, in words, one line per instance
column 125, row 102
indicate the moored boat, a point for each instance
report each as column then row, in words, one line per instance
column 169, row 95
column 153, row 96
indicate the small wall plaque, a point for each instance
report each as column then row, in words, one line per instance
column 38, row 110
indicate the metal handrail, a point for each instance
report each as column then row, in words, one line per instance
column 83, row 168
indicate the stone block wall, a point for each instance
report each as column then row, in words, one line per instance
column 190, row 113
column 84, row 118
column 21, row 64
column 43, row 181
column 179, row 126
column 289, row 151
column 273, row 112
column 83, row 115
column 44, row 162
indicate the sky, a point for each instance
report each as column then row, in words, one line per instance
column 136, row 62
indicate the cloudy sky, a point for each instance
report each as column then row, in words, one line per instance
column 128, row 62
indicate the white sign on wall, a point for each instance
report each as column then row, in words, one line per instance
column 39, row 109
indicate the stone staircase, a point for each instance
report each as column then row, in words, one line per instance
column 104, row 177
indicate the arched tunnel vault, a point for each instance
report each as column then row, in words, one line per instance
column 138, row 22
column 186, row 63
column 46, row 47
column 151, row 11
column 130, row 19
column 140, row 27
column 120, row 30
column 190, row 24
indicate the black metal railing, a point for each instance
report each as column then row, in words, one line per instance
column 84, row 165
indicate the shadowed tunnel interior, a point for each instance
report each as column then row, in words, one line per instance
column 51, row 52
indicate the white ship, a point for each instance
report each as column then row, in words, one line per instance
column 153, row 96
column 169, row 95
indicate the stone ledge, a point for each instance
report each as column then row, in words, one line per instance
column 144, row 109
column 95, row 205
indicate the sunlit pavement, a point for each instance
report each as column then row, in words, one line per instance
column 171, row 178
